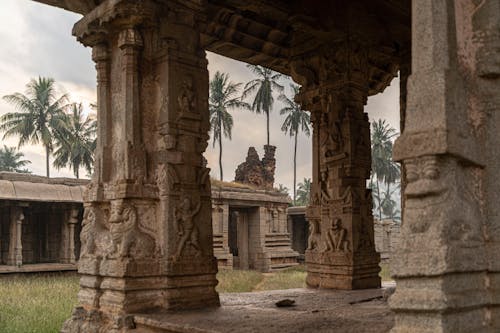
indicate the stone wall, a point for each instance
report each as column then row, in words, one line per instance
column 386, row 238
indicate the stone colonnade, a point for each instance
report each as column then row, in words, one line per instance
column 147, row 231
column 446, row 267
column 28, row 233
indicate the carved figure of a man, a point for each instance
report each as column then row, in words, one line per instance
column 87, row 235
column 186, row 97
column 335, row 237
column 186, row 229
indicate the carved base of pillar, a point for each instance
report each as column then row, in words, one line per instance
column 446, row 303
column 342, row 271
column 111, row 290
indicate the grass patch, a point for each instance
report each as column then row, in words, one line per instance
column 36, row 304
column 289, row 278
column 385, row 272
column 237, row 281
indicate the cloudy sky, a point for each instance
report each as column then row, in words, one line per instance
column 35, row 40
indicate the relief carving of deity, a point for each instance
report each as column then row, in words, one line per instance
column 336, row 238
column 186, row 99
column 187, row 231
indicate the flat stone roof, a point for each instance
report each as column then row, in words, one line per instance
column 26, row 187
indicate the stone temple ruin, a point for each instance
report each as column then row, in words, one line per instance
column 150, row 183
column 256, row 172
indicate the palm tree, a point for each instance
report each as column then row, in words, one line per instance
column 266, row 81
column 303, row 192
column 10, row 160
column 40, row 115
column 282, row 189
column 75, row 144
column 383, row 167
column 389, row 205
column 222, row 97
column 296, row 119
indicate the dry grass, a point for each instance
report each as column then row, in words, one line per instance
column 36, row 304
column 217, row 183
column 385, row 272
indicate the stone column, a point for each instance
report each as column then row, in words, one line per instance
column 147, row 229
column 15, row 256
column 341, row 252
column 73, row 220
column 441, row 264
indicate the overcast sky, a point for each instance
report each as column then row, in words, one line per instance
column 36, row 40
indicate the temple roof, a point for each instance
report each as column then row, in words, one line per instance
column 25, row 187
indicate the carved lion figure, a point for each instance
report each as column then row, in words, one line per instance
column 127, row 238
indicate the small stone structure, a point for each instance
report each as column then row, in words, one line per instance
column 250, row 228
column 40, row 219
column 256, row 172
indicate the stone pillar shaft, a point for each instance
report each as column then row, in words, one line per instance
column 73, row 220
column 441, row 265
column 15, row 256
column 341, row 252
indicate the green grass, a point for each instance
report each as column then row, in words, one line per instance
column 237, row 281
column 290, row 278
column 385, row 272
column 41, row 303
column 36, row 304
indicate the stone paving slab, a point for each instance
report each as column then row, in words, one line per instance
column 361, row 311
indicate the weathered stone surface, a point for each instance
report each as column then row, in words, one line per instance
column 256, row 172
column 442, row 266
column 314, row 311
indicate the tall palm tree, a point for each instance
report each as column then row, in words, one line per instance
column 75, row 144
column 10, row 160
column 303, row 192
column 40, row 116
column 222, row 98
column 383, row 167
column 263, row 85
column 296, row 119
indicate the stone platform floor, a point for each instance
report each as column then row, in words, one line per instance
column 37, row 268
column 318, row 311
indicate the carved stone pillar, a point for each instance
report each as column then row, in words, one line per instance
column 15, row 256
column 441, row 264
column 147, row 233
column 341, row 252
